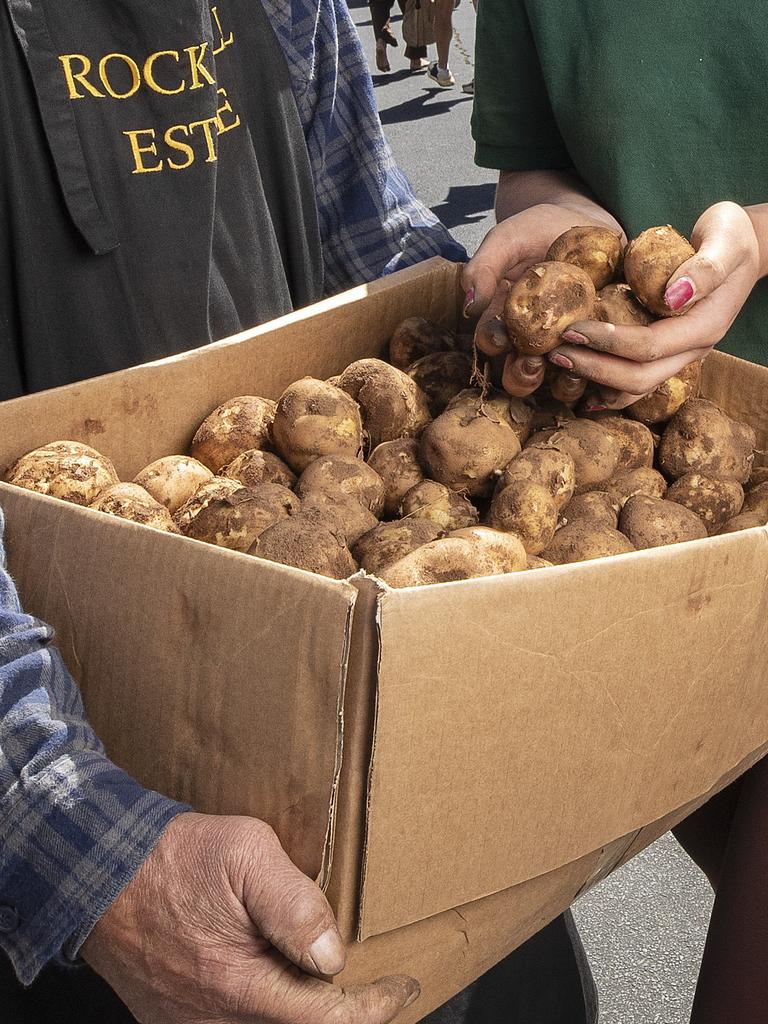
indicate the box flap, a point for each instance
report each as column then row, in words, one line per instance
column 634, row 662
column 211, row 676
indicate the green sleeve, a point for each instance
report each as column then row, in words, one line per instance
column 512, row 121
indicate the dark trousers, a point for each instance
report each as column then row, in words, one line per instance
column 543, row 982
column 380, row 14
column 728, row 839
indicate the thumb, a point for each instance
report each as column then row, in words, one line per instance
column 289, row 909
column 722, row 238
column 500, row 250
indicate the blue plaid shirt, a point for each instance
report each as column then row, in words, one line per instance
column 74, row 828
column 370, row 221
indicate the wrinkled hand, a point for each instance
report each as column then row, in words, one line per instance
column 712, row 286
column 218, row 925
column 507, row 251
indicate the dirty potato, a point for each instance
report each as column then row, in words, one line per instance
column 231, row 429
column 440, row 505
column 544, row 302
column 132, row 502
column 64, row 469
column 256, row 467
column 313, row 419
column 596, row 250
column 655, row 522
column 173, row 479
column 389, row 542
column 584, row 540
column 392, row 404
column 226, row 514
column 713, row 500
column 397, row 463
column 649, row 262
column 701, row 438
column 343, row 476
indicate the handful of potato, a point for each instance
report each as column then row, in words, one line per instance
column 416, row 472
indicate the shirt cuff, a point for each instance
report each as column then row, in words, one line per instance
column 71, row 842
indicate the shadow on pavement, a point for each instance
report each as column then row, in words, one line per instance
column 466, row 204
column 419, row 106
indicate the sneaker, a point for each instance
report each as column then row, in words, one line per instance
column 440, row 76
column 469, row 88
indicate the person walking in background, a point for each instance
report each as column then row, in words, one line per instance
column 440, row 72
column 381, row 11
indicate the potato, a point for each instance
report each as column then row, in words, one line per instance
column 256, row 467
column 546, row 465
column 636, row 442
column 313, row 419
column 130, row 501
column 616, row 304
column 535, row 562
column 584, row 540
column 397, row 463
column 309, row 541
column 595, row 451
column 393, row 405
column 700, row 437
column 714, row 501
column 350, row 517
column 599, row 507
column 642, row 480
column 389, row 542
column 64, row 469
column 438, row 504
column 469, row 444
column 226, row 514
column 343, row 476
column 662, row 404
column 231, row 429
column 528, row 510
column 173, row 479
column 649, row 262
column 655, row 522
column 757, row 501
column 464, row 554
column 441, row 376
column 743, row 521
column 415, row 338
column 596, row 250
column 544, row 302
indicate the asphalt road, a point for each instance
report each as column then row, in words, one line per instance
column 644, row 927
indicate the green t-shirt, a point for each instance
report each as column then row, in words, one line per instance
column 662, row 109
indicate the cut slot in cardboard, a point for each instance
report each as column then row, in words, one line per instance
column 455, row 764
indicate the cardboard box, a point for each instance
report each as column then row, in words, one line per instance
column 456, row 763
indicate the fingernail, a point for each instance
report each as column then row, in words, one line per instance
column 560, row 360
column 530, row 367
column 575, row 337
column 469, row 298
column 679, row 294
column 595, row 407
column 327, row 953
column 412, row 997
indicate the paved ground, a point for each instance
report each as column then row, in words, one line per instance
column 644, row 927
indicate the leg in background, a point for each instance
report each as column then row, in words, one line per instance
column 733, row 981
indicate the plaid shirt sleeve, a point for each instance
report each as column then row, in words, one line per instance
column 74, row 829
column 371, row 223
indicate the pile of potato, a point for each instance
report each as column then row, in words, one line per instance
column 406, row 470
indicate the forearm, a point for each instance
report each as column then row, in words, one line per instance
column 759, row 216
column 519, row 190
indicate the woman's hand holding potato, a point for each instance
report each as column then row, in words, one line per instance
column 709, row 288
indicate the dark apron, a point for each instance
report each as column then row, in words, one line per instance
column 155, row 187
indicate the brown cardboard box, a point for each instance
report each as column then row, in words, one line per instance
column 454, row 763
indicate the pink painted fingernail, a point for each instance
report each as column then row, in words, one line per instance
column 595, row 407
column 560, row 360
column 469, row 299
column 679, row 294
column 575, row 337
